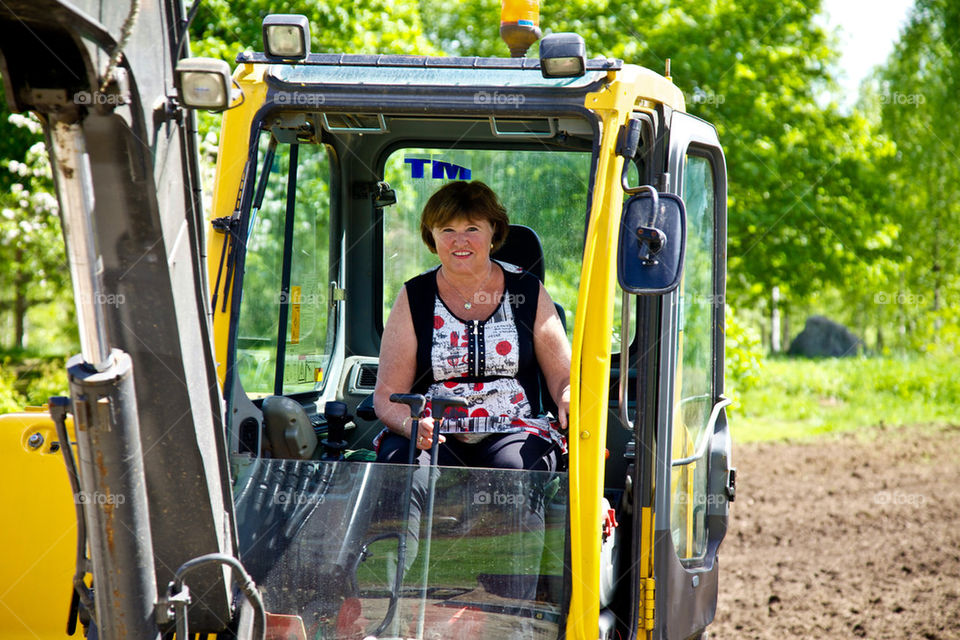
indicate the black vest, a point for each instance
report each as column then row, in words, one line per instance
column 524, row 292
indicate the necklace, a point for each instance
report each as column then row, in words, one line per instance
column 466, row 303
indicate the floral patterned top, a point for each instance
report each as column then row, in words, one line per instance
column 489, row 363
column 478, row 360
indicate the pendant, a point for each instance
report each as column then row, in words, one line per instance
column 467, row 305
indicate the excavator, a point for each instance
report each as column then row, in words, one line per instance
column 218, row 435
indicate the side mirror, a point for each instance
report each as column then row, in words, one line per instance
column 653, row 230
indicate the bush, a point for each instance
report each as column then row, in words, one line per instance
column 10, row 400
column 744, row 357
column 43, row 378
column 30, row 381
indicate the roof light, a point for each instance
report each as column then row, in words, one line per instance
column 563, row 55
column 287, row 36
column 519, row 25
column 204, row 83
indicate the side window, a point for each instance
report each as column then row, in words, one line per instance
column 308, row 331
column 695, row 395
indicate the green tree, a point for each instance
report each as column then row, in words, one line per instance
column 31, row 245
column 224, row 29
column 804, row 206
column 915, row 98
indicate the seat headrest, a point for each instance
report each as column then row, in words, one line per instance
column 523, row 249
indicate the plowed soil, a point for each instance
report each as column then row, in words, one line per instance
column 851, row 536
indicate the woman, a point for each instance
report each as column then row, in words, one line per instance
column 478, row 329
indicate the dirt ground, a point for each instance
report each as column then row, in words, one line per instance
column 845, row 537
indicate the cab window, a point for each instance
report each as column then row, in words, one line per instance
column 695, row 394
column 292, row 291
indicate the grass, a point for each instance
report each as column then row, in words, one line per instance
column 457, row 560
column 798, row 399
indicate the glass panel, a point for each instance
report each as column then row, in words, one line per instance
column 309, row 336
column 545, row 190
column 695, row 376
column 483, row 548
column 424, row 76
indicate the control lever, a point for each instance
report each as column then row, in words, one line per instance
column 416, row 403
column 439, row 406
column 337, row 418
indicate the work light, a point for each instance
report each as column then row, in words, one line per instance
column 287, row 36
column 204, row 83
column 563, row 55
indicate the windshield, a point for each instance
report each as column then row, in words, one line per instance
column 285, row 315
column 544, row 190
column 482, row 549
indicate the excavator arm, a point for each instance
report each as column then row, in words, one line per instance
column 145, row 399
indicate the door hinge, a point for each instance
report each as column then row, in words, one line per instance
column 648, row 602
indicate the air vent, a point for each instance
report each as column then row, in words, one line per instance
column 367, row 377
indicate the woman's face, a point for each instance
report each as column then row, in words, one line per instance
column 463, row 245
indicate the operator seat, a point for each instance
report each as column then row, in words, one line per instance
column 523, row 249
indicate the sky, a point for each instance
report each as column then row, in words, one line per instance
column 867, row 30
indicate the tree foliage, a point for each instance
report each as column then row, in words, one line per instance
column 224, row 29
column 914, row 97
column 806, row 206
column 31, row 245
column 852, row 213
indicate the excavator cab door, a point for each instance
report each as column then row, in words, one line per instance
column 693, row 475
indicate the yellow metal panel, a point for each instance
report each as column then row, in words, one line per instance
column 650, row 88
column 39, row 535
column 590, row 367
column 231, row 160
column 649, row 595
column 628, row 89
column 647, row 602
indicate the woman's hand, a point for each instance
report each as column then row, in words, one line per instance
column 425, row 434
column 563, row 408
